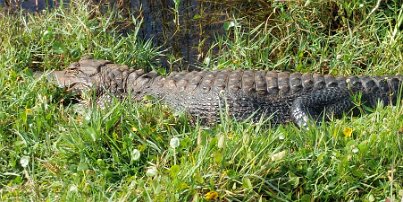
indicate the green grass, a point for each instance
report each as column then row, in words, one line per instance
column 50, row 151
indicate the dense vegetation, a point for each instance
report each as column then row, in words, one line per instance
column 54, row 149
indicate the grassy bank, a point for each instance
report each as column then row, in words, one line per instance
column 53, row 150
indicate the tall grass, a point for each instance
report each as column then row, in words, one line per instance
column 340, row 37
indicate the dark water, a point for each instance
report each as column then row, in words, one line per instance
column 185, row 35
column 189, row 36
column 31, row 5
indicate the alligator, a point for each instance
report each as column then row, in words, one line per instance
column 241, row 94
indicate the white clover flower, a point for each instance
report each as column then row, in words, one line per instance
column 87, row 117
column 152, row 171
column 278, row 156
column 135, row 155
column 174, row 142
column 355, row 150
column 24, row 161
column 73, row 188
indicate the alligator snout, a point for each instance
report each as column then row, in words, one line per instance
column 72, row 80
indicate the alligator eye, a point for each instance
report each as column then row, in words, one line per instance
column 73, row 72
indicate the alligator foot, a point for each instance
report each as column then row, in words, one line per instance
column 328, row 101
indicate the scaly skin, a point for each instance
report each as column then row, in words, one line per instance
column 283, row 96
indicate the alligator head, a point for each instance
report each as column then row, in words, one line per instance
column 79, row 76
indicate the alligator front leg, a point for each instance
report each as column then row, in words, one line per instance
column 327, row 101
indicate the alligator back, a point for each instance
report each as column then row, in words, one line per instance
column 244, row 94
